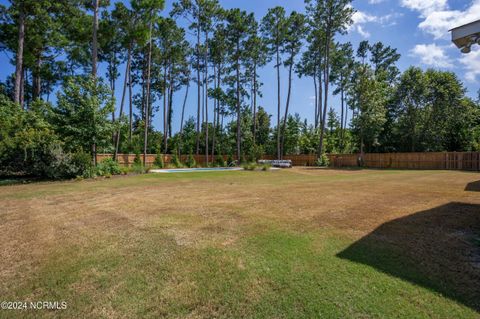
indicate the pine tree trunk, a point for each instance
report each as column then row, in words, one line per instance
column 180, row 141
column 95, row 40
column 198, row 88
column 130, row 114
column 127, row 72
column 239, row 132
column 316, row 96
column 206, row 98
column 286, row 107
column 170, row 104
column 19, row 64
column 165, row 97
column 320, row 99
column 183, row 107
column 37, row 92
column 254, row 102
column 278, row 104
column 23, row 85
column 147, row 105
column 325, row 102
column 94, row 61
column 215, row 103
column 218, row 130
column 342, row 114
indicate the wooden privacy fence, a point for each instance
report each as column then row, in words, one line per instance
column 445, row 160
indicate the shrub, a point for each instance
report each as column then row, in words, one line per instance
column 54, row 164
column 125, row 170
column 175, row 161
column 108, row 167
column 322, row 161
column 81, row 165
column 191, row 161
column 266, row 167
column 158, row 162
column 243, row 160
column 257, row 153
column 137, row 160
column 249, row 166
column 137, row 168
column 219, row 162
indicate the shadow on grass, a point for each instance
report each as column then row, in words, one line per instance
column 15, row 180
column 473, row 187
column 434, row 248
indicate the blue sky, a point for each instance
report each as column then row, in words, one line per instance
column 417, row 28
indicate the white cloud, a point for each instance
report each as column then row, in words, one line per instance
column 425, row 7
column 362, row 32
column 438, row 23
column 360, row 19
column 471, row 63
column 431, row 55
column 375, row 1
column 438, row 19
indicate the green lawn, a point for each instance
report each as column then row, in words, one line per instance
column 290, row 244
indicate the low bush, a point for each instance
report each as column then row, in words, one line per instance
column 175, row 161
column 249, row 166
column 322, row 161
column 137, row 168
column 81, row 165
column 124, row 170
column 257, row 153
column 108, row 167
column 158, row 162
column 266, row 167
column 219, row 162
column 137, row 160
column 190, row 163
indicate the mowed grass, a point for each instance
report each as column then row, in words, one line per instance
column 300, row 243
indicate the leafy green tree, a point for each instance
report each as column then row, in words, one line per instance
column 333, row 136
column 371, row 100
column 449, row 113
column 80, row 117
column 410, row 97
column 263, row 127
column 29, row 145
column 292, row 134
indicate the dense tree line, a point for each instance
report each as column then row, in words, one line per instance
column 57, row 46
